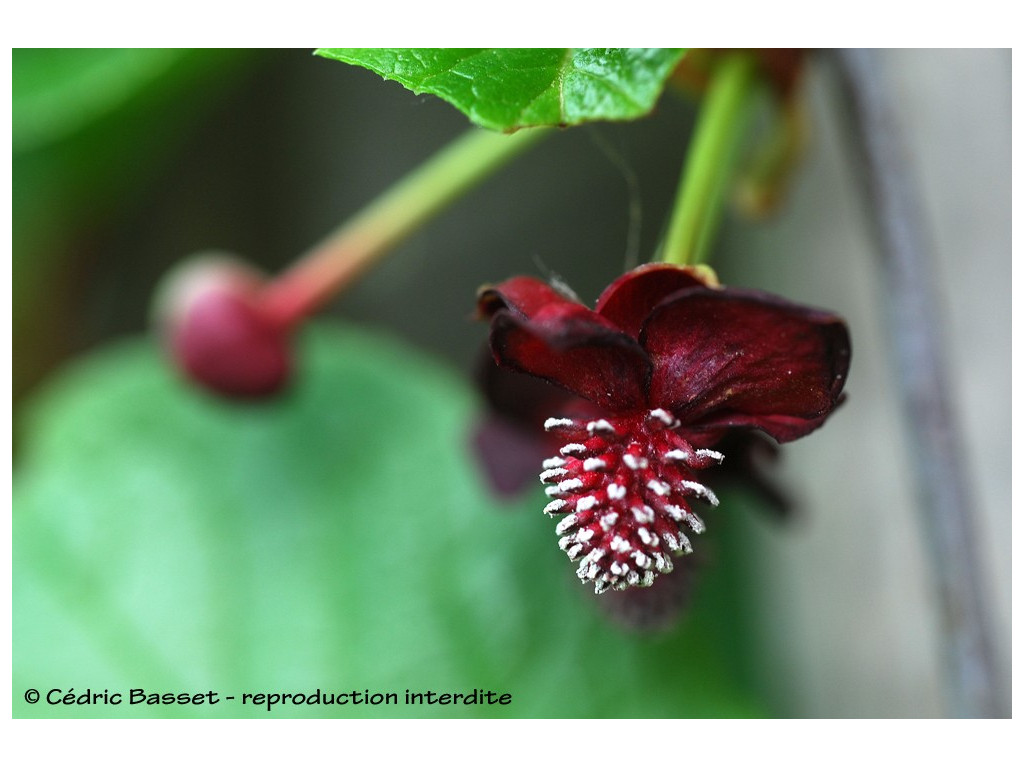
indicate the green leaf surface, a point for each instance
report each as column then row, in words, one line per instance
column 337, row 539
column 509, row 88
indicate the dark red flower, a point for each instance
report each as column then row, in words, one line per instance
column 671, row 364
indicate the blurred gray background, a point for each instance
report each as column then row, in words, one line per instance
column 848, row 611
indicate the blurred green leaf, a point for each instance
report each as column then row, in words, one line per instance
column 338, row 538
column 56, row 91
column 508, row 88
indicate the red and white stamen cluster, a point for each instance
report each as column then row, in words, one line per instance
column 624, row 486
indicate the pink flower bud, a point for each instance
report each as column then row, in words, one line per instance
column 218, row 332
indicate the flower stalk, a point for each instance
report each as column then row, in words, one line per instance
column 359, row 243
column 229, row 329
column 711, row 160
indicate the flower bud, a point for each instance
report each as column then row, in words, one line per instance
column 217, row 331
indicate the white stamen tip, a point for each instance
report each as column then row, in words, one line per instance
column 585, row 535
column 601, row 425
column 587, row 502
column 609, row 520
column 549, row 474
column 552, row 491
column 676, row 513
column 647, row 537
column 634, row 462
column 592, row 465
column 570, row 485
column 619, row 544
column 645, row 515
column 616, row 491
column 648, row 579
column 659, row 487
column 703, row 491
column 553, row 463
column 565, row 523
column 550, row 424
column 574, row 551
column 695, row 523
column 632, row 578
column 707, row 453
column 663, row 416
column 573, row 448
column 678, row 455
column 554, row 506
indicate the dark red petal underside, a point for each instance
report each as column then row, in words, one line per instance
column 629, row 300
column 509, row 453
column 510, row 441
column 745, row 358
column 525, row 296
column 520, row 398
column 576, row 349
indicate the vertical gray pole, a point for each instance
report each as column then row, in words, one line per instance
column 943, row 492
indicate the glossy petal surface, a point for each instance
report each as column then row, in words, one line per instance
column 576, row 349
column 745, row 358
column 523, row 295
column 627, row 302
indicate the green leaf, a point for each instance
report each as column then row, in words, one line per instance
column 56, row 91
column 337, row 539
column 509, row 88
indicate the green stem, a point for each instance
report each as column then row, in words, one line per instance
column 710, row 161
column 356, row 245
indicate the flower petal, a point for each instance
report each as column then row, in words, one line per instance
column 567, row 344
column 519, row 398
column 745, row 358
column 749, row 458
column 629, row 300
column 525, row 296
